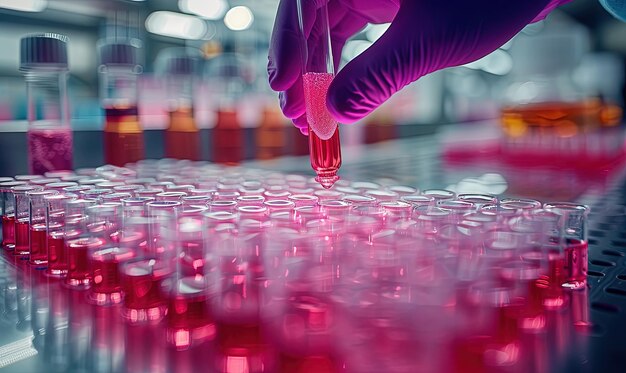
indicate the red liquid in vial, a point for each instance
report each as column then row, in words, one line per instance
column 78, row 273
column 38, row 245
column 123, row 136
column 49, row 150
column 107, row 284
column 182, row 138
column 575, row 262
column 307, row 364
column 21, row 237
column 324, row 145
column 143, row 286
column 192, row 261
column 228, row 138
column 188, row 317
column 8, row 231
column 549, row 284
column 57, row 261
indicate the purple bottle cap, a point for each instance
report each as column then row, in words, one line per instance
column 48, row 50
column 119, row 53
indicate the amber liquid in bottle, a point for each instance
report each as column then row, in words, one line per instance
column 182, row 138
column 565, row 118
column 123, row 136
column 227, row 138
column 270, row 135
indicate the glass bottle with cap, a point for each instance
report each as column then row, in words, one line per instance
column 119, row 70
column 44, row 64
column 178, row 68
column 226, row 75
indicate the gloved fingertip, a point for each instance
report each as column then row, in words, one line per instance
column 304, row 131
column 301, row 122
column 291, row 106
column 340, row 107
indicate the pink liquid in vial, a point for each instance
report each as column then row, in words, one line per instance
column 143, row 286
column 21, row 237
column 57, row 261
column 107, row 284
column 575, row 262
column 78, row 272
column 188, row 317
column 49, row 150
column 38, row 245
column 8, row 231
column 324, row 145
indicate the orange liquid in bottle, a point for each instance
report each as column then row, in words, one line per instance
column 227, row 138
column 270, row 136
column 123, row 136
column 565, row 118
column 182, row 138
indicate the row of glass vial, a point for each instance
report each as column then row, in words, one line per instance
column 44, row 64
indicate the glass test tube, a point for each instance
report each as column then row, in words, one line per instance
column 43, row 61
column 318, row 72
column 22, row 225
column 7, row 203
column 38, row 229
column 78, row 242
column 189, row 320
column 105, row 259
column 55, row 228
column 574, row 242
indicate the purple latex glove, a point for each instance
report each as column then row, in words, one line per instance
column 424, row 36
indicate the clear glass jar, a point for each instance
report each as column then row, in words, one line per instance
column 43, row 62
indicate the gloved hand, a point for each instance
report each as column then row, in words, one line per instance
column 424, row 36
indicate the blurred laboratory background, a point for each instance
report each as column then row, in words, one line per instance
column 563, row 77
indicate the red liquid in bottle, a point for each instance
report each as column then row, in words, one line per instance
column 49, row 150
column 57, row 261
column 143, row 286
column 227, row 138
column 188, row 317
column 38, row 245
column 8, row 231
column 78, row 272
column 107, row 284
column 123, row 136
column 182, row 138
column 21, row 237
column 324, row 145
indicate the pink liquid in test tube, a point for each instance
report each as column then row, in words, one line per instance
column 104, row 265
column 57, row 261
column 21, row 237
column 49, row 150
column 8, row 231
column 38, row 245
column 79, row 273
column 324, row 145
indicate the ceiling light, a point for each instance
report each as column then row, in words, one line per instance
column 176, row 25
column 239, row 18
column 24, row 5
column 209, row 9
